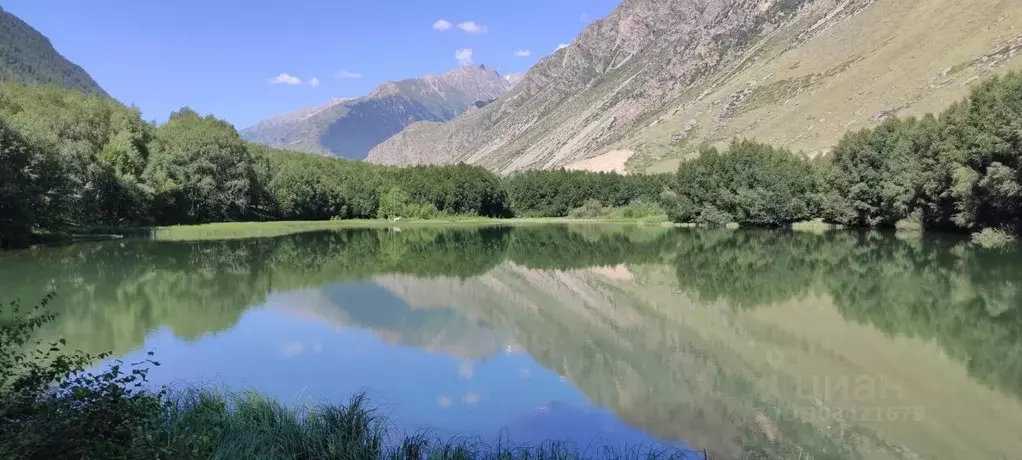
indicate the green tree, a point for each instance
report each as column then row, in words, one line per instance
column 749, row 183
column 201, row 170
column 19, row 193
column 393, row 203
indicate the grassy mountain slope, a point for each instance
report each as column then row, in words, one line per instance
column 661, row 78
column 27, row 56
column 350, row 128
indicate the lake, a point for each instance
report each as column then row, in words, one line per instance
column 749, row 344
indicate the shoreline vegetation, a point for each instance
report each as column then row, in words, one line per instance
column 74, row 162
column 52, row 407
column 233, row 230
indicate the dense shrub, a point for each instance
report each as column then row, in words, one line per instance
column 555, row 193
column 956, row 171
column 748, row 183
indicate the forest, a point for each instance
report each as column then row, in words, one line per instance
column 955, row 171
column 70, row 162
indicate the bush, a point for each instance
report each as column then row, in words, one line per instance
column 393, row 203
column 993, row 238
column 50, row 407
column 639, row 208
column 590, row 210
column 749, row 183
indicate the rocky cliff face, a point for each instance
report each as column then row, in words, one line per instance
column 662, row 77
column 351, row 127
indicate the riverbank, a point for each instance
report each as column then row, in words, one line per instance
column 238, row 230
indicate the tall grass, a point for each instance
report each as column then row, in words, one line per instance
column 208, row 424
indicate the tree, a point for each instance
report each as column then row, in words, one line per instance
column 749, row 183
column 201, row 170
column 19, row 193
column 393, row 203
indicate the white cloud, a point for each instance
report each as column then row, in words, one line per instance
column 444, row 401
column 347, row 74
column 523, row 53
column 314, row 82
column 442, row 25
column 562, row 46
column 286, row 80
column 464, row 56
column 472, row 27
column 584, row 17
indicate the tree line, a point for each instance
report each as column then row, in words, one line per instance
column 958, row 170
column 72, row 161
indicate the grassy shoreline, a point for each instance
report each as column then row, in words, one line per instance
column 237, row 230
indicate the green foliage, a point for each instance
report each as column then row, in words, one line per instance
column 201, row 170
column 878, row 172
column 393, row 203
column 992, row 238
column 957, row 171
column 556, row 193
column 85, row 162
column 458, row 189
column 749, row 183
column 68, row 132
column 639, row 208
column 50, row 407
column 20, row 195
column 28, row 57
column 591, row 209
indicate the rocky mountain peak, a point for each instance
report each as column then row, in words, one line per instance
column 350, row 128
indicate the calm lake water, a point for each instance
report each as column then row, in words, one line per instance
column 748, row 344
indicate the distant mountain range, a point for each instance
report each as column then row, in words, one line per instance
column 27, row 56
column 647, row 86
column 350, row 128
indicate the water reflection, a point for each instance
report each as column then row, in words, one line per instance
column 747, row 344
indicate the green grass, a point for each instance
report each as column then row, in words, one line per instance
column 237, row 230
column 210, row 424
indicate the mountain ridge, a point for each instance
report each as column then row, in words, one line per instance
column 661, row 79
column 351, row 127
column 28, row 57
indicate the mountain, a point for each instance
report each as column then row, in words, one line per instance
column 657, row 79
column 514, row 78
column 27, row 56
column 351, row 127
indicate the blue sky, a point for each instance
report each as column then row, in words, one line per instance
column 219, row 56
